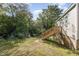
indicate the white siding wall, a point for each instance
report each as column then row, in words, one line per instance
column 72, row 26
column 69, row 23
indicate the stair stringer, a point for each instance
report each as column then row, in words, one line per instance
column 65, row 39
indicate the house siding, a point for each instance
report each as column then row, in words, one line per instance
column 69, row 24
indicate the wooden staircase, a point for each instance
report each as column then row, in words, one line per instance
column 62, row 36
column 50, row 32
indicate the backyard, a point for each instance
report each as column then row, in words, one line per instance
column 33, row 47
column 21, row 30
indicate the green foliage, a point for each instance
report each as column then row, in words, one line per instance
column 33, row 47
column 49, row 16
column 16, row 21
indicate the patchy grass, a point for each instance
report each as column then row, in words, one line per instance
column 33, row 47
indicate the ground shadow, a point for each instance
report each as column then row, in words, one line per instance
column 54, row 43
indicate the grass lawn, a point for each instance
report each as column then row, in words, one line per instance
column 33, row 47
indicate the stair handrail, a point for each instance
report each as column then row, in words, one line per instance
column 48, row 30
column 53, row 28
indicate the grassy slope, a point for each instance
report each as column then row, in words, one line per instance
column 33, row 47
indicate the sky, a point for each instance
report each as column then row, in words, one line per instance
column 36, row 8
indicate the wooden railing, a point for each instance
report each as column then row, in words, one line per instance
column 50, row 32
column 56, row 30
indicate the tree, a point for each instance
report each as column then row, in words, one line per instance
column 15, row 21
column 49, row 16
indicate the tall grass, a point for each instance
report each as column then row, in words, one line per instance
column 10, row 43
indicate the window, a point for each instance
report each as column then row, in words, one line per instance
column 66, row 20
column 73, row 36
column 73, row 28
column 66, row 17
column 66, row 23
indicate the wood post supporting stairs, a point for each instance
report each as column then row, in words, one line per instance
column 64, row 39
